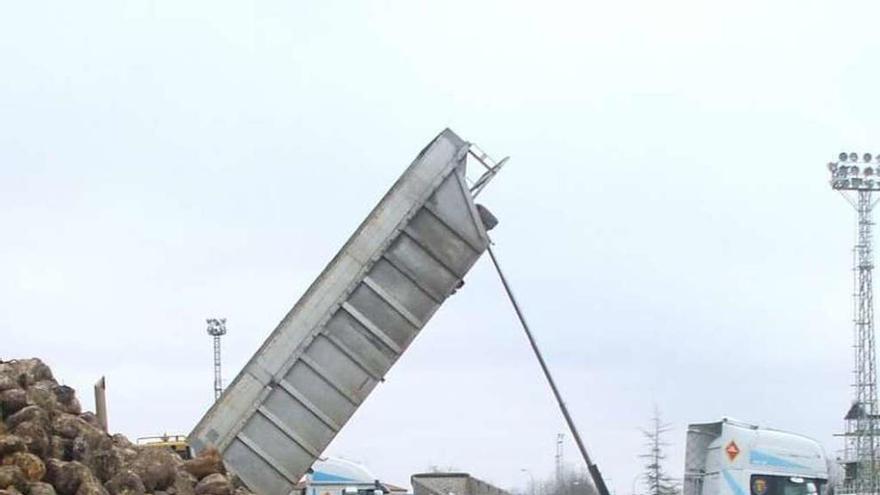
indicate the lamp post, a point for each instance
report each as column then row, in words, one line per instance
column 532, row 480
column 634, row 482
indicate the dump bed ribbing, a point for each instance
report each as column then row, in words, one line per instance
column 353, row 323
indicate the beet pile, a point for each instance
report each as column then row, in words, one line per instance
column 49, row 446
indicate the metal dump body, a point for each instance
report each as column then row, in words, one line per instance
column 352, row 324
column 699, row 440
column 452, row 484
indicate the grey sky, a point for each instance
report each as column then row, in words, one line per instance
column 665, row 216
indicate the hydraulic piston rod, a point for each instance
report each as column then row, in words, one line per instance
column 596, row 476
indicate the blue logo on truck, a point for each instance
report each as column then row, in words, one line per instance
column 765, row 459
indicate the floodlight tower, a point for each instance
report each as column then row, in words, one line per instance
column 856, row 178
column 560, row 462
column 216, row 329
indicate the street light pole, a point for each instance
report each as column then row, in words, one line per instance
column 634, row 482
column 532, row 480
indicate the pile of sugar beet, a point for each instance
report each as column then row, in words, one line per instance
column 49, row 446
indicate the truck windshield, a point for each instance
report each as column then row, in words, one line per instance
column 785, row 485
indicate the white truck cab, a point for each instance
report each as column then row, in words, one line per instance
column 337, row 476
column 729, row 457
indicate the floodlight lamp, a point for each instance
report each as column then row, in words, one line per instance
column 867, row 157
column 842, row 157
column 853, row 157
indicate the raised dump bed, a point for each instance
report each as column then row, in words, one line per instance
column 351, row 326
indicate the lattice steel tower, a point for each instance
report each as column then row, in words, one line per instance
column 216, row 329
column 560, row 460
column 856, row 178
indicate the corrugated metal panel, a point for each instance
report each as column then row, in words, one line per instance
column 699, row 437
column 352, row 324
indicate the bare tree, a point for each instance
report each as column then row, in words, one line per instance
column 657, row 481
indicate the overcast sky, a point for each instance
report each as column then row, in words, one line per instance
column 665, row 215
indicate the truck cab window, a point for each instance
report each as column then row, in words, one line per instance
column 784, row 485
